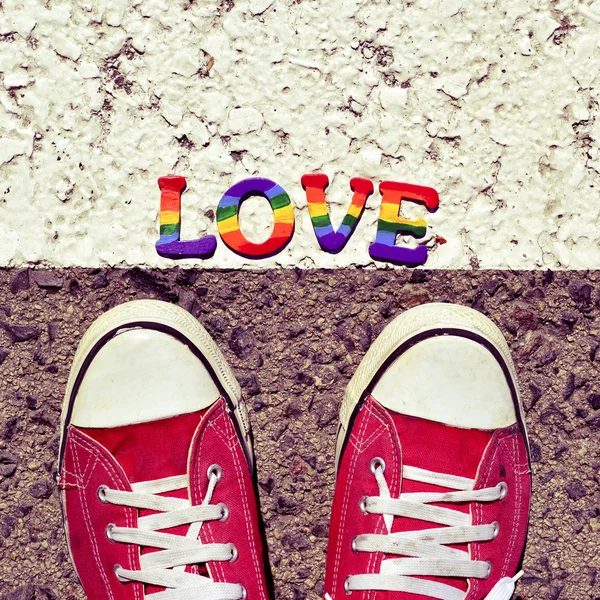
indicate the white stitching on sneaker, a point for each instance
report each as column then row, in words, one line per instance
column 427, row 549
column 166, row 567
column 345, row 501
column 88, row 521
column 231, row 442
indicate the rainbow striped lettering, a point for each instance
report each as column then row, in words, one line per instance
column 228, row 215
column 169, row 244
column 391, row 224
column 330, row 240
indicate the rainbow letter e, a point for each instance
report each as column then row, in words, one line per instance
column 391, row 224
column 330, row 240
column 168, row 244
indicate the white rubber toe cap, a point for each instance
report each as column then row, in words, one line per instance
column 442, row 362
column 448, row 379
column 142, row 375
column 146, row 360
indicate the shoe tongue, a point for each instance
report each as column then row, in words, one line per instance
column 148, row 451
column 442, row 449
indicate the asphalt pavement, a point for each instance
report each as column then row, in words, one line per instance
column 294, row 338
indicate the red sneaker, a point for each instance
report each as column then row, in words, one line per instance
column 433, row 484
column 156, row 465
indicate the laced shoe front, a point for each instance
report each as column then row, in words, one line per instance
column 156, row 471
column 432, row 492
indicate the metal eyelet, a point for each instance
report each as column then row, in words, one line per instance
column 347, row 585
column 224, row 511
column 234, row 553
column 362, row 504
column 489, row 571
column 496, row 527
column 109, row 531
column 354, row 548
column 503, row 489
column 377, row 462
column 121, row 579
column 244, row 593
column 216, row 471
column 102, row 494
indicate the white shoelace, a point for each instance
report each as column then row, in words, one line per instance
column 427, row 548
column 166, row 567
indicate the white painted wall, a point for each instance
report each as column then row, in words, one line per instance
column 495, row 104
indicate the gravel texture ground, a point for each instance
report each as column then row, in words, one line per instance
column 294, row 338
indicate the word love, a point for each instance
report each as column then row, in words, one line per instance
column 389, row 226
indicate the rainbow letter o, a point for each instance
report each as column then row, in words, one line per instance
column 228, row 212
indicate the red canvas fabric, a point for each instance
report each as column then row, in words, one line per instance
column 120, row 456
column 487, row 457
column 373, row 435
column 216, row 441
column 151, row 450
column 134, row 447
column 505, row 460
column 87, row 466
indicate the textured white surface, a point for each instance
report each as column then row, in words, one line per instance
column 495, row 104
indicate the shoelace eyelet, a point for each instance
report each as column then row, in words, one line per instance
column 121, row 579
column 244, row 593
column 354, row 549
column 362, row 504
column 102, row 494
column 347, row 585
column 489, row 572
column 496, row 527
column 109, row 530
column 377, row 462
column 234, row 553
column 216, row 471
column 224, row 511
column 503, row 489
